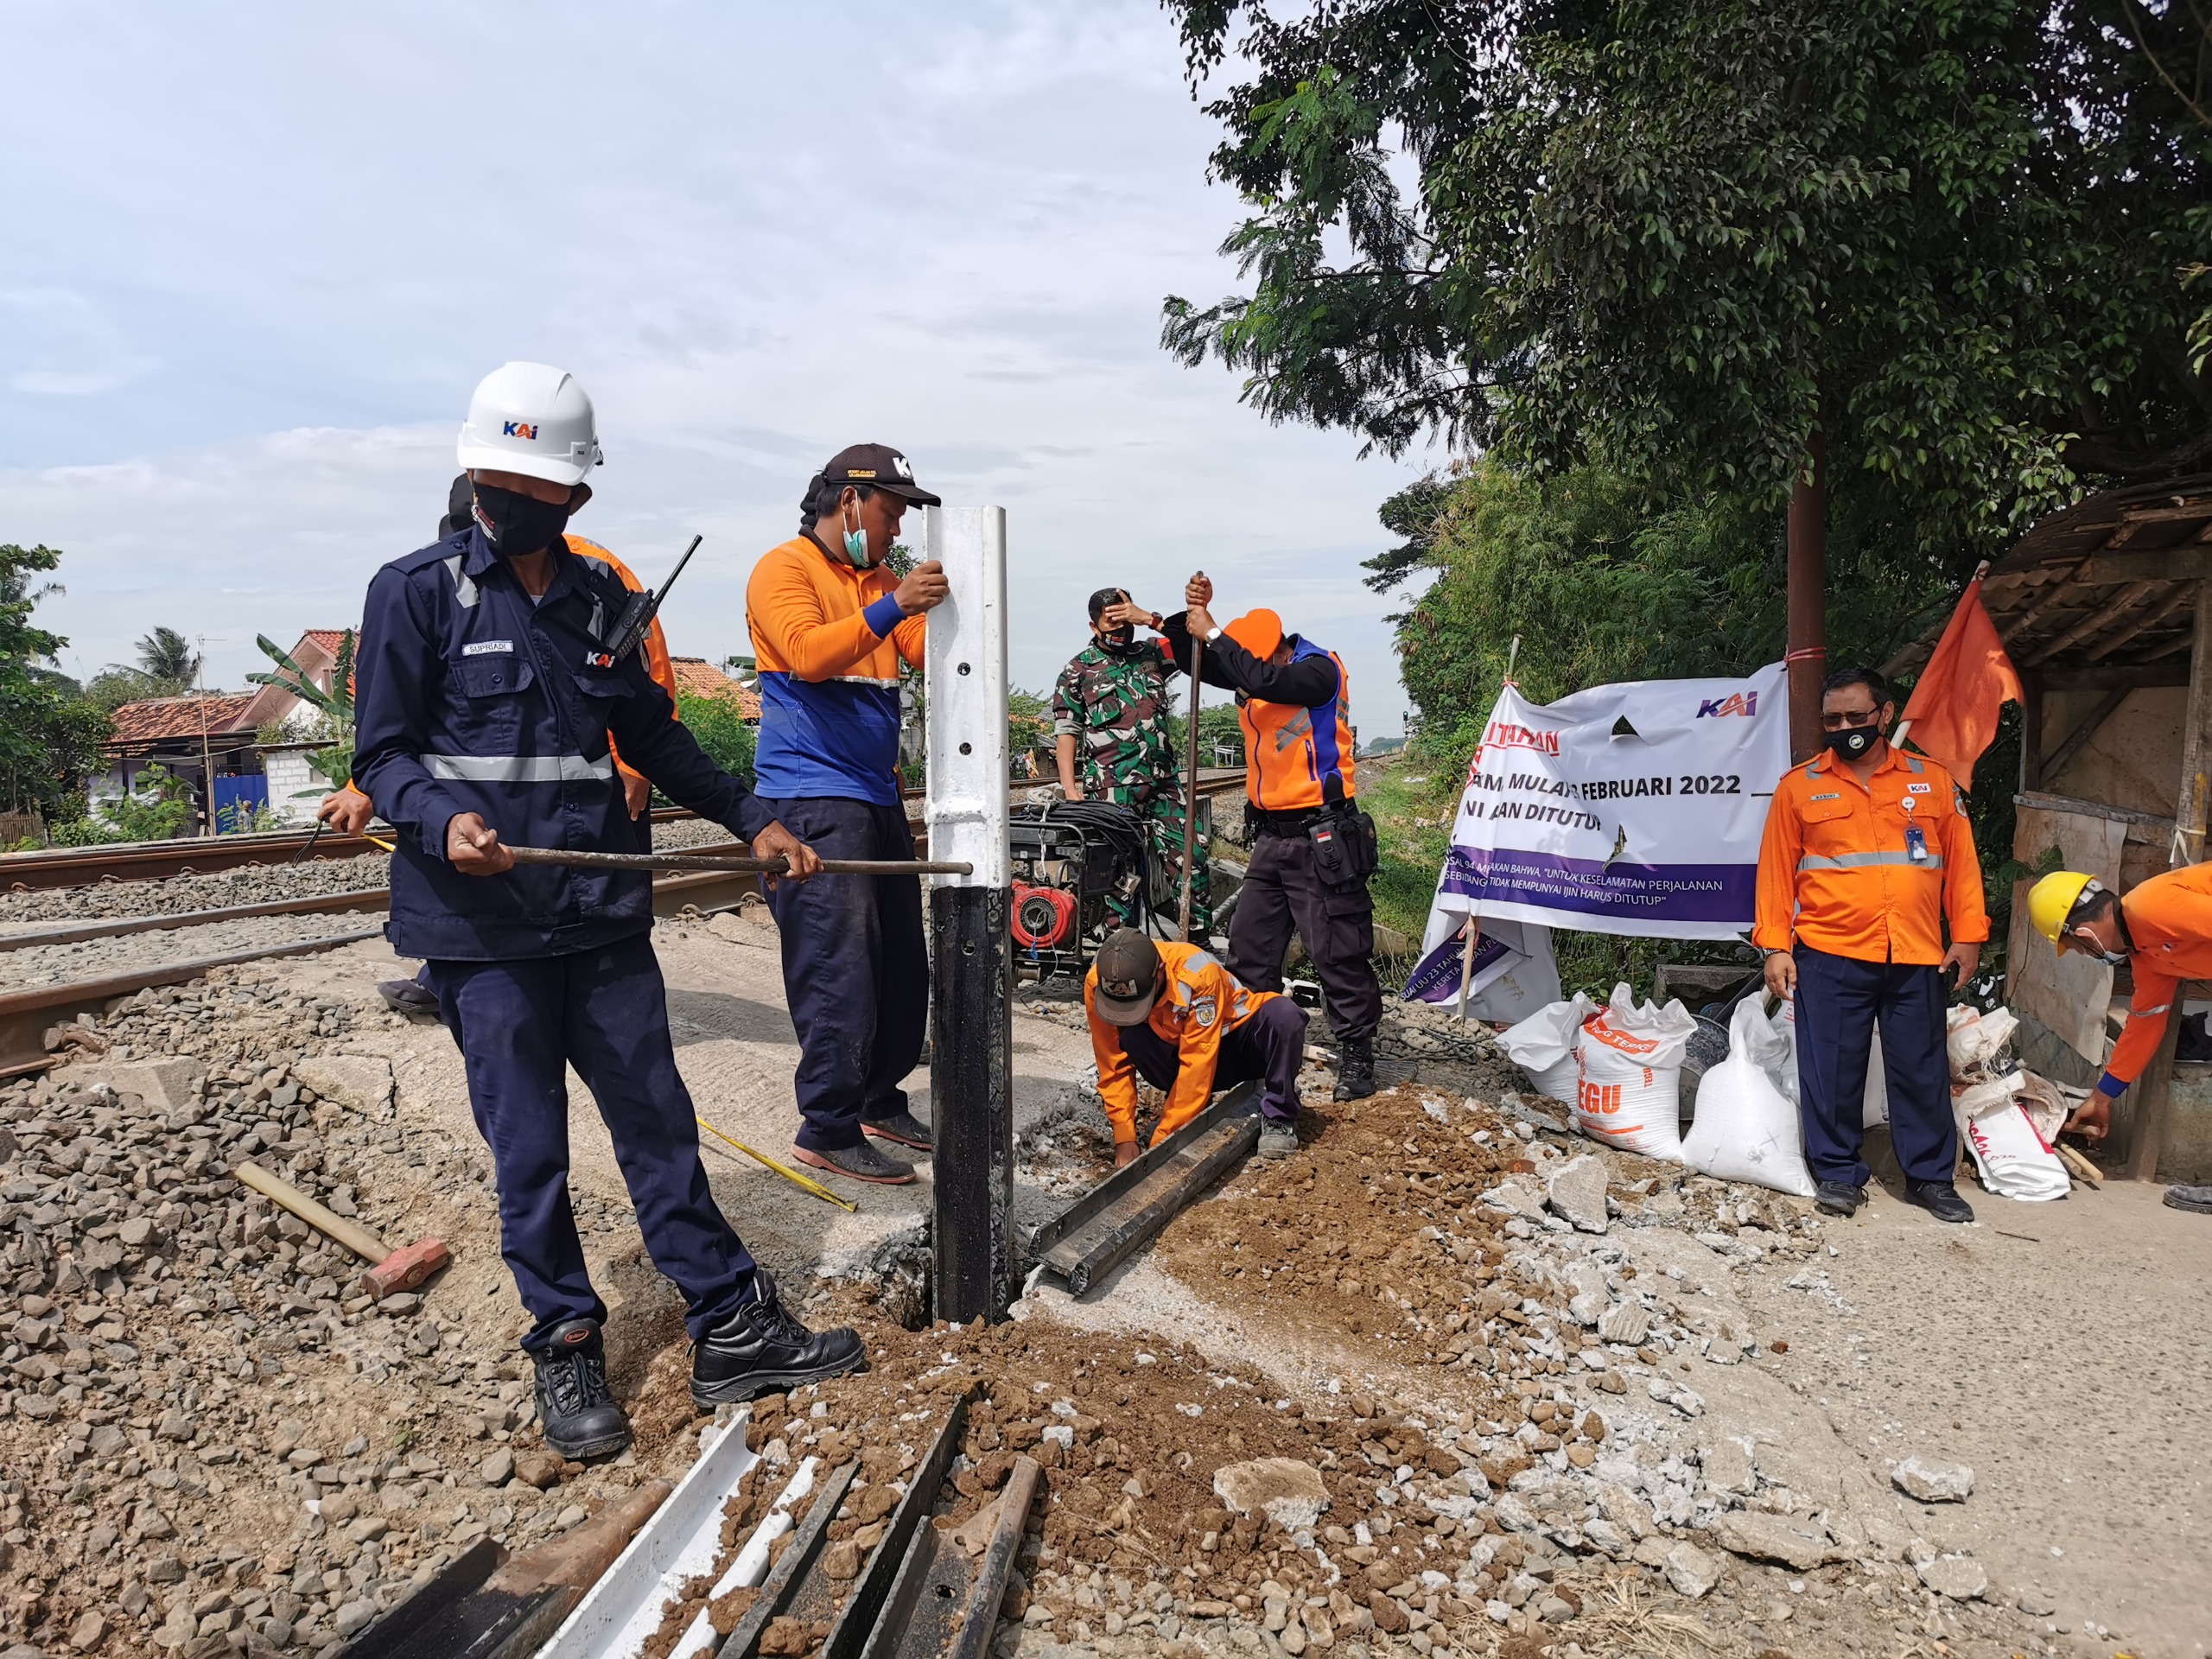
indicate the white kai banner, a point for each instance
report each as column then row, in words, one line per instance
column 1625, row 809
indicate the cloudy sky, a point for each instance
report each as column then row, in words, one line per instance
column 258, row 255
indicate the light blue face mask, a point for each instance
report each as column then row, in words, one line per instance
column 855, row 545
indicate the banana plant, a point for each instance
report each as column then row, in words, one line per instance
column 335, row 764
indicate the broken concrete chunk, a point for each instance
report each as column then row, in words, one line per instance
column 1691, row 1571
column 1932, row 1481
column 1959, row 1577
column 361, row 1081
column 1625, row 1322
column 1728, row 1465
column 1792, row 1541
column 169, row 1084
column 1288, row 1492
column 1577, row 1192
column 1516, row 1197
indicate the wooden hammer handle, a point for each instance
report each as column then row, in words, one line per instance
column 357, row 1239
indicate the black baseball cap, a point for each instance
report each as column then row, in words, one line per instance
column 1128, row 977
column 880, row 466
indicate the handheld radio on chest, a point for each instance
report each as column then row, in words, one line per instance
column 637, row 615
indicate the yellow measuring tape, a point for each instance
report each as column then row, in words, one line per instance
column 789, row 1174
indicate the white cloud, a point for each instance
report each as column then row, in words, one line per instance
column 753, row 238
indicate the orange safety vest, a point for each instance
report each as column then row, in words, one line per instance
column 1290, row 753
column 1201, row 1003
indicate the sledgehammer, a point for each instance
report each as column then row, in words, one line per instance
column 390, row 1271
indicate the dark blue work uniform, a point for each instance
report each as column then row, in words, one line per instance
column 469, row 698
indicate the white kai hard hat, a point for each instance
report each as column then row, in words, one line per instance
column 530, row 418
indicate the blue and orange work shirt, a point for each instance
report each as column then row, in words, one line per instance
column 470, row 698
column 1841, row 870
column 827, row 637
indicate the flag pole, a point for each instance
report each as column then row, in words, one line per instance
column 1474, row 914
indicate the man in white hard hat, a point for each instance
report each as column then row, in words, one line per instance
column 485, row 700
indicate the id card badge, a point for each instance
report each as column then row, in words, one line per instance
column 1916, row 843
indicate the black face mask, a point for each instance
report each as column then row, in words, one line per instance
column 1853, row 741
column 516, row 522
column 1117, row 640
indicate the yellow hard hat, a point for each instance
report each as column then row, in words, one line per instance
column 2051, row 900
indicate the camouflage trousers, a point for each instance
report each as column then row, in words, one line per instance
column 1162, row 818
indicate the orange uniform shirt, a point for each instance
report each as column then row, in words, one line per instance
column 2170, row 930
column 1201, row 1003
column 1837, row 871
column 657, row 662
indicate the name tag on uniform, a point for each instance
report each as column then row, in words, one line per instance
column 1916, row 789
column 1836, row 795
column 489, row 648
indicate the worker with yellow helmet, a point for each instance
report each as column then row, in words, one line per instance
column 2162, row 927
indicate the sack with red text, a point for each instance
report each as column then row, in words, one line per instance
column 1629, row 1072
column 2014, row 1160
column 1542, row 1046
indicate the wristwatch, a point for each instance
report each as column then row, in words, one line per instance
column 1213, row 633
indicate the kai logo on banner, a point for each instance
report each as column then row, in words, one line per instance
column 1744, row 702
column 521, row 429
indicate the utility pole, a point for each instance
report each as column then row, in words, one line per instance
column 1808, row 650
column 971, row 996
column 207, row 763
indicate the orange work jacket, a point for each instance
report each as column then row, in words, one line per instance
column 1836, row 872
column 2170, row 932
column 1201, row 1003
column 657, row 662
column 1291, row 751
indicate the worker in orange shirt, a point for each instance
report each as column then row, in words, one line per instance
column 1867, row 854
column 348, row 812
column 830, row 623
column 2161, row 928
column 1171, row 1014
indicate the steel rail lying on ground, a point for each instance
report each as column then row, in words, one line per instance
column 115, row 927
column 1121, row 1212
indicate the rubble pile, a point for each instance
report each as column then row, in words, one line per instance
column 210, row 1441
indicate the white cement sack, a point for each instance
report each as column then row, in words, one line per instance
column 1986, row 1094
column 1746, row 1127
column 2045, row 1103
column 2014, row 1160
column 1873, row 1108
column 1629, row 1067
column 1542, row 1046
column 1975, row 1038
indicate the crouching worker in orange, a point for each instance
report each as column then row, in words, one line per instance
column 2162, row 929
column 1170, row 1014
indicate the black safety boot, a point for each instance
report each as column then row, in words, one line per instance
column 1839, row 1197
column 861, row 1162
column 579, row 1416
column 408, row 996
column 761, row 1349
column 1940, row 1199
column 1355, row 1069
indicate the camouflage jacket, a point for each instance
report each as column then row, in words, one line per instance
column 1116, row 707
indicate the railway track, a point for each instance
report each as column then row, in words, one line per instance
column 80, row 866
column 920, row 1591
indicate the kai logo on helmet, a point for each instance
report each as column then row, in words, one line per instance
column 1744, row 702
column 520, row 430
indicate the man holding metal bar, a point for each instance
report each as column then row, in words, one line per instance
column 830, row 625
column 485, row 698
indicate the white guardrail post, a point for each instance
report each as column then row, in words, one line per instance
column 971, row 1061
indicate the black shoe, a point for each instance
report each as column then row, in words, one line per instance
column 861, row 1163
column 900, row 1128
column 1355, row 1069
column 1839, row 1197
column 761, row 1349
column 1940, row 1199
column 579, row 1416
column 407, row 996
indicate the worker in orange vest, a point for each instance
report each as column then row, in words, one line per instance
column 1867, row 854
column 2162, row 928
column 1312, row 848
column 1169, row 1013
column 348, row 812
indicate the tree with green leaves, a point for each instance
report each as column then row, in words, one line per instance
column 1677, row 241
column 50, row 737
column 334, row 762
column 168, row 663
column 718, row 726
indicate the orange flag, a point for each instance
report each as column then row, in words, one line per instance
column 1952, row 710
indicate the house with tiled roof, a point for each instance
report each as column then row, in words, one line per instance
column 697, row 678
column 189, row 736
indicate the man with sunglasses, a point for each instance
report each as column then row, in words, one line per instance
column 1867, row 854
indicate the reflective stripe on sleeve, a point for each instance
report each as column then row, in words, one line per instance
column 1865, row 861
column 517, row 768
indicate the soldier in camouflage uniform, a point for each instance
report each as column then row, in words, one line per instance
column 1110, row 708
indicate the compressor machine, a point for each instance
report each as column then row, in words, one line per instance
column 1070, row 857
